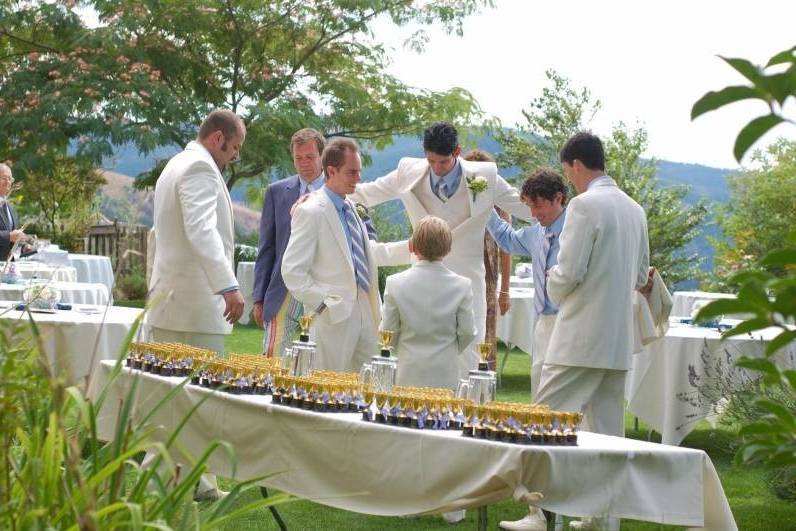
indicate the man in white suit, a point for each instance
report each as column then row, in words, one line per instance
column 430, row 310
column 603, row 259
column 193, row 286
column 461, row 192
column 329, row 259
column 193, row 289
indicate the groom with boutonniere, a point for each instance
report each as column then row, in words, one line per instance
column 461, row 192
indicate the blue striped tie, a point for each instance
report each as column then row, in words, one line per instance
column 358, row 255
column 541, row 281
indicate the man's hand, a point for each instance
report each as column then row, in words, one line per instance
column 14, row 235
column 258, row 314
column 504, row 302
column 647, row 289
column 300, row 200
column 233, row 309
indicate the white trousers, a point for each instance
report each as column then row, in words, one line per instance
column 541, row 339
column 214, row 342
column 598, row 393
column 345, row 346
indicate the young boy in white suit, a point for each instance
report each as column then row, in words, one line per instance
column 430, row 310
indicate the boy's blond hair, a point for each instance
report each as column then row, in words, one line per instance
column 432, row 238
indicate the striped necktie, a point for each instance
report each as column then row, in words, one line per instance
column 442, row 191
column 358, row 255
column 541, row 281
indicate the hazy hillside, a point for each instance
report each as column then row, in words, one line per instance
column 705, row 182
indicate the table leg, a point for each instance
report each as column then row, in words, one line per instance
column 274, row 511
column 482, row 519
column 551, row 520
column 509, row 346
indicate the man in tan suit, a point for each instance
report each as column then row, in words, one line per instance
column 193, row 286
column 603, row 259
column 329, row 259
column 193, row 289
column 461, row 192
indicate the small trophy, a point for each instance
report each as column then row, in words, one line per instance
column 386, row 342
column 484, row 349
column 305, row 321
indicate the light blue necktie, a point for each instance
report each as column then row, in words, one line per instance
column 358, row 255
column 442, row 191
column 541, row 281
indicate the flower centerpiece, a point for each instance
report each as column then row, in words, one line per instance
column 41, row 297
column 10, row 274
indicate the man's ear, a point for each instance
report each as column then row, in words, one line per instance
column 457, row 151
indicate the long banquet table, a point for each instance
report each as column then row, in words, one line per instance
column 336, row 459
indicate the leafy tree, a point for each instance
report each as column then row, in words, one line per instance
column 769, row 298
column 153, row 68
column 61, row 199
column 563, row 110
column 774, row 84
column 760, row 213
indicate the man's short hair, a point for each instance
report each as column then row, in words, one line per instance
column 585, row 147
column 478, row 155
column 5, row 168
column 222, row 120
column 432, row 238
column 335, row 151
column 544, row 183
column 440, row 138
column 302, row 136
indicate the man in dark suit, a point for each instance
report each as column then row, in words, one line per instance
column 274, row 309
column 9, row 223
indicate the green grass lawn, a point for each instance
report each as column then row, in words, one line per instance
column 753, row 503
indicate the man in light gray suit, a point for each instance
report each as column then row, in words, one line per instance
column 603, row 259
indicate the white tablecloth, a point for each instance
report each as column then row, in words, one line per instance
column 71, row 337
column 683, row 301
column 71, row 292
column 31, row 269
column 660, row 389
column 52, row 255
column 93, row 268
column 245, row 276
column 341, row 461
column 516, row 327
column 518, row 282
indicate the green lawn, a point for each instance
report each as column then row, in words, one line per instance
column 753, row 503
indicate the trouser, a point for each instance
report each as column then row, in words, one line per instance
column 469, row 358
column 598, row 393
column 279, row 330
column 346, row 345
column 214, row 342
column 541, row 339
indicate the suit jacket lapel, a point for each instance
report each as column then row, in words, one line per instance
column 337, row 228
column 411, row 185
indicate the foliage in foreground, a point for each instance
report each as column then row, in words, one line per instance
column 55, row 472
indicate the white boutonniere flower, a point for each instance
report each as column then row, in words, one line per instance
column 477, row 184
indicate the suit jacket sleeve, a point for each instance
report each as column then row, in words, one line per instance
column 576, row 244
column 198, row 195
column 266, row 253
column 644, row 258
column 299, row 257
column 465, row 322
column 390, row 316
column 390, row 253
column 376, row 192
column 5, row 244
column 507, row 198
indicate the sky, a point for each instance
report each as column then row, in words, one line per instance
column 647, row 61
